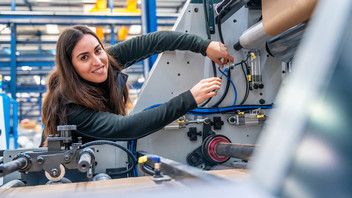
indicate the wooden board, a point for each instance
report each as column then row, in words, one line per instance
column 116, row 186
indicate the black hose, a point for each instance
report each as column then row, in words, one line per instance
column 225, row 91
column 102, row 142
column 133, row 151
column 247, row 83
column 209, row 37
column 208, row 32
column 228, row 72
column 144, row 169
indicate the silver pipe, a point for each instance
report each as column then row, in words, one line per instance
column 284, row 45
column 253, row 38
column 240, row 151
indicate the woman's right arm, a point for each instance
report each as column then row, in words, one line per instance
column 105, row 125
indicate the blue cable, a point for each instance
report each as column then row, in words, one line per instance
column 206, row 111
column 210, row 111
column 233, row 85
column 135, row 173
column 151, row 107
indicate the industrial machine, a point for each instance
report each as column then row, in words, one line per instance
column 293, row 132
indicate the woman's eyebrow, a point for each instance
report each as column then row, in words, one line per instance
column 87, row 52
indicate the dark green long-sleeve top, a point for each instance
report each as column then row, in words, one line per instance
column 93, row 125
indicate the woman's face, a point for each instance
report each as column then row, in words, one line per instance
column 90, row 60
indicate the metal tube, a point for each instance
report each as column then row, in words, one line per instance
column 256, row 74
column 241, row 151
column 284, row 45
column 13, row 166
column 253, row 38
column 85, row 160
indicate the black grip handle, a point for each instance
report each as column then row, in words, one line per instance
column 13, row 166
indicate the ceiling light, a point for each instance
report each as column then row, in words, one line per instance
column 52, row 29
column 135, row 29
column 26, row 68
column 7, row 78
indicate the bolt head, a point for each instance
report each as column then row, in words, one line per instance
column 54, row 172
column 40, row 160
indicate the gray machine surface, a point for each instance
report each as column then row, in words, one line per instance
column 304, row 142
column 177, row 71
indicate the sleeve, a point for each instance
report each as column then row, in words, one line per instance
column 136, row 49
column 109, row 126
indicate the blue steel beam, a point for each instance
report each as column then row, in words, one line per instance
column 46, row 17
column 29, row 56
column 13, row 5
column 149, row 22
column 36, row 42
column 28, row 63
column 170, row 22
column 112, row 35
column 40, row 18
column 13, row 61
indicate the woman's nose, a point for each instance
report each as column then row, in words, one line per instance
column 96, row 60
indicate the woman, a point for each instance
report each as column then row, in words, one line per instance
column 89, row 90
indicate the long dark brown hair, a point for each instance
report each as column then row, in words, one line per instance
column 65, row 86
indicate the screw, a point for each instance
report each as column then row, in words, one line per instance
column 40, row 160
column 262, row 101
column 67, row 157
column 54, row 172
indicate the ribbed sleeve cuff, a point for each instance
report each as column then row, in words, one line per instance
column 205, row 45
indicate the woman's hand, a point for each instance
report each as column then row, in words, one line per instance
column 205, row 89
column 217, row 52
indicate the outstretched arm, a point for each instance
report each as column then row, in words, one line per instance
column 105, row 125
column 134, row 50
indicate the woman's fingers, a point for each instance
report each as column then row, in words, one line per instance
column 217, row 52
column 205, row 89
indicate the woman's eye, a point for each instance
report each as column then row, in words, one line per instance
column 84, row 57
column 98, row 51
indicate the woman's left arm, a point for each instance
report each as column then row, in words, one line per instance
column 134, row 50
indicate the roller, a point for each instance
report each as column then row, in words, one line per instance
column 278, row 16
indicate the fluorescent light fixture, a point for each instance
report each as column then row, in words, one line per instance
column 36, row 79
column 5, row 31
column 135, row 29
column 52, row 29
column 26, row 68
column 94, row 29
column 141, row 80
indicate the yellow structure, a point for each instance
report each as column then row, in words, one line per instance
column 101, row 7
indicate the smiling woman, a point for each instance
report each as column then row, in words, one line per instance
column 88, row 89
column 90, row 60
